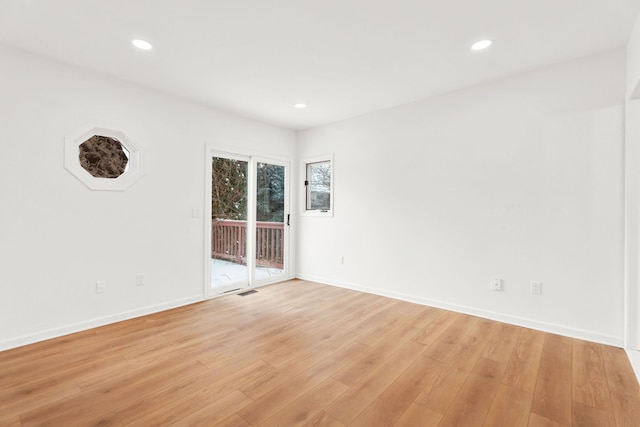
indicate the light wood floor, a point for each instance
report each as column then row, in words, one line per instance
column 300, row 353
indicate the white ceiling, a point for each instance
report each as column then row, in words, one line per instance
column 342, row 58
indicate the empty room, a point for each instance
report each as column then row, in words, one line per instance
column 319, row 213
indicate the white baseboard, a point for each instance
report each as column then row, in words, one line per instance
column 94, row 323
column 500, row 317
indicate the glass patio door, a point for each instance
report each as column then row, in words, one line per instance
column 249, row 222
column 271, row 220
column 229, row 215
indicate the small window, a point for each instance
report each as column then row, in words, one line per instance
column 318, row 185
column 103, row 158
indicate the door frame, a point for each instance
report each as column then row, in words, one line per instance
column 213, row 150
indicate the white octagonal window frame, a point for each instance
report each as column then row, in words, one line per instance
column 72, row 159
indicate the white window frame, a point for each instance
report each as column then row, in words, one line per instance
column 303, row 188
column 72, row 158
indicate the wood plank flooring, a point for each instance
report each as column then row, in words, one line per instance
column 305, row 354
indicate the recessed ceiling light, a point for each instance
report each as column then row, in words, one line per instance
column 482, row 44
column 141, row 44
column 300, row 106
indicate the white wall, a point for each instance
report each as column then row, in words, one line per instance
column 57, row 238
column 520, row 179
column 633, row 59
column 632, row 188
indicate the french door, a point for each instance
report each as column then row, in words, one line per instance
column 249, row 234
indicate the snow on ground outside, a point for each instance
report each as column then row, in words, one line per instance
column 224, row 273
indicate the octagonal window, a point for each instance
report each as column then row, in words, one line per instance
column 103, row 158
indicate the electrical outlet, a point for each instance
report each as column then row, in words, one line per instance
column 496, row 284
column 139, row 279
column 101, row 286
column 536, row 288
column 342, row 259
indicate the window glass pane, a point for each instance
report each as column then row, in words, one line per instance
column 270, row 216
column 319, row 186
column 270, row 193
column 228, row 222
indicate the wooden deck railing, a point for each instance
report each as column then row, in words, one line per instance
column 228, row 241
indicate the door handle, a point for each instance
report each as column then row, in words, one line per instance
column 288, row 215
